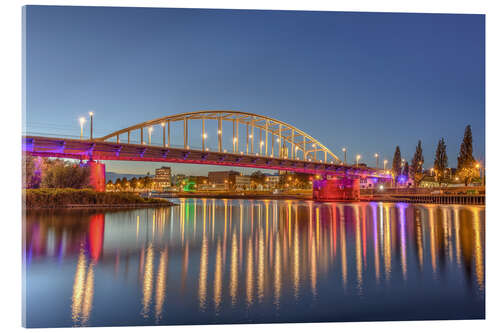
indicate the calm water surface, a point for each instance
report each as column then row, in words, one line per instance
column 242, row 261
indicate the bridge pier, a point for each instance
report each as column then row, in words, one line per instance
column 97, row 175
column 336, row 189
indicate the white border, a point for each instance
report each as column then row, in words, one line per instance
column 10, row 33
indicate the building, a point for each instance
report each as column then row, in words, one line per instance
column 242, row 183
column 162, row 178
column 178, row 179
column 272, row 181
column 223, row 179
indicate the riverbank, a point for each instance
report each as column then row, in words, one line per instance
column 86, row 198
column 242, row 196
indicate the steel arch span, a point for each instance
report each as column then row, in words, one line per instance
column 263, row 136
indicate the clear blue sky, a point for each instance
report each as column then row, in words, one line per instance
column 366, row 81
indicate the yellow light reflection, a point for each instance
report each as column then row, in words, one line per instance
column 218, row 278
column 233, row 281
column 277, row 273
column 147, row 284
column 478, row 248
column 249, row 284
column 78, row 287
column 260, row 266
column 88, row 295
column 343, row 247
column 161, row 284
column 387, row 243
column 202, row 280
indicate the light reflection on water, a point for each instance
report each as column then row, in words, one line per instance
column 236, row 261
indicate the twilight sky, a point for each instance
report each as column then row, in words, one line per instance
column 364, row 81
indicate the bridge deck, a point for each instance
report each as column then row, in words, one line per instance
column 102, row 150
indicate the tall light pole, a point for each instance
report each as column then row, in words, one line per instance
column 91, row 114
column 82, row 121
column 481, row 174
column 345, row 154
column 385, row 162
column 150, row 129
column 376, row 159
column 357, row 160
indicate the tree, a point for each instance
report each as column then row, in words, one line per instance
column 32, row 171
column 61, row 174
column 466, row 163
column 258, row 178
column 396, row 164
column 440, row 161
column 406, row 170
column 148, row 182
column 134, row 183
column 118, row 184
column 417, row 162
column 110, row 186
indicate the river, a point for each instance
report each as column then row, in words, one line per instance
column 251, row 261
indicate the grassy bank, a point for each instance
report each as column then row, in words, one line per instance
column 68, row 197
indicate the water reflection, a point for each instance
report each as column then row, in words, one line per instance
column 211, row 256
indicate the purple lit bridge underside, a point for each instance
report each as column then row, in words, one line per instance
column 108, row 151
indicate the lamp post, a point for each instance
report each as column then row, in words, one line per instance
column 376, row 159
column 345, row 154
column 385, row 163
column 481, row 174
column 82, row 121
column 150, row 129
column 91, row 114
column 357, row 160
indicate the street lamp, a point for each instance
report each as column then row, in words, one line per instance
column 91, row 114
column 376, row 159
column 357, row 160
column 82, row 121
column 345, row 154
column 481, row 173
column 150, row 129
column 385, row 162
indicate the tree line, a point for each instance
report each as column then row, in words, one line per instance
column 42, row 172
column 467, row 169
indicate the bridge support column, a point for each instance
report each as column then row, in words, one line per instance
column 97, row 175
column 336, row 189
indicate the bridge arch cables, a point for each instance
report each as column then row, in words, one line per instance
column 251, row 134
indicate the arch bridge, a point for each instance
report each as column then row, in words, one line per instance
column 229, row 138
column 262, row 136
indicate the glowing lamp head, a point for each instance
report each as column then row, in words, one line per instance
column 376, row 155
column 91, row 113
column 477, row 165
column 81, row 120
column 162, row 124
column 277, row 140
column 344, row 150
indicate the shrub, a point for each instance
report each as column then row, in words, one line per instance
column 61, row 197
